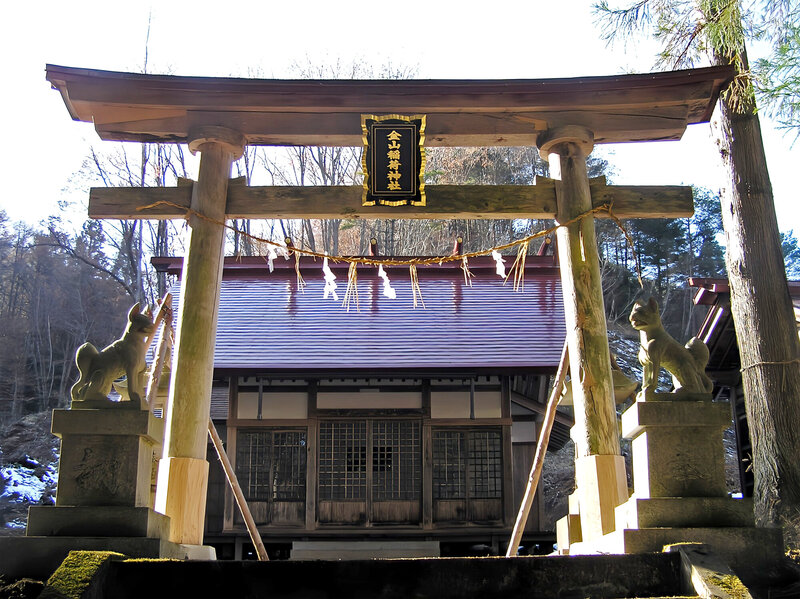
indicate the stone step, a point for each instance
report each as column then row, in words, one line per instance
column 359, row 550
column 552, row 577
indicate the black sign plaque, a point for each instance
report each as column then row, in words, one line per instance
column 393, row 160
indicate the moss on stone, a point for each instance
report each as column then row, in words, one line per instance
column 731, row 585
column 73, row 577
column 24, row 588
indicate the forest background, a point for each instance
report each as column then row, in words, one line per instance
column 59, row 289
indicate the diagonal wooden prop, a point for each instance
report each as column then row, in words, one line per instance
column 541, row 450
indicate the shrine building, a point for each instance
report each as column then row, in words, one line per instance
column 415, row 427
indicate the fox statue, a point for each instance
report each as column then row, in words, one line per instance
column 658, row 349
column 99, row 369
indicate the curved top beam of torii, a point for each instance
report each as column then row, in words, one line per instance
column 163, row 108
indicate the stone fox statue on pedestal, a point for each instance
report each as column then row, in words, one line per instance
column 99, row 369
column 686, row 364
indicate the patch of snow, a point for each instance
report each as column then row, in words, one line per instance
column 16, row 523
column 25, row 484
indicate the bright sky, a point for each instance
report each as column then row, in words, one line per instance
column 503, row 39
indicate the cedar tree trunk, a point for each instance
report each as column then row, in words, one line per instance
column 763, row 314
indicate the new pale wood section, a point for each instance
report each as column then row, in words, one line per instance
column 602, row 486
column 233, row 481
column 181, row 495
column 444, row 202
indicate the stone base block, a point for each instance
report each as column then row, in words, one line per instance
column 108, row 422
column 749, row 551
column 360, row 550
column 685, row 512
column 680, row 414
column 38, row 557
column 203, row 553
column 96, row 521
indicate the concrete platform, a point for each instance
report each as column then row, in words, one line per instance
column 750, row 551
column 361, row 550
column 38, row 557
column 602, row 576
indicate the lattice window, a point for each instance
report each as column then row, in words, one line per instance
column 485, row 464
column 271, row 465
column 455, row 452
column 289, row 466
column 448, row 465
column 342, row 460
column 396, row 460
column 253, row 450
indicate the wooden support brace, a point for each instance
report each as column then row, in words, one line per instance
column 541, row 450
column 233, row 481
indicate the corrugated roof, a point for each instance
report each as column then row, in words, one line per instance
column 266, row 324
column 219, row 403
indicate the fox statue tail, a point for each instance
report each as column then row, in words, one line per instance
column 699, row 352
column 83, row 360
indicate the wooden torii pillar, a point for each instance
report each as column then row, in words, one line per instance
column 564, row 118
column 599, row 467
column 183, row 469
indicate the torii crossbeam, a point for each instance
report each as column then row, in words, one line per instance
column 564, row 118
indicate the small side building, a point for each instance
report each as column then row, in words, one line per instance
column 382, row 421
column 724, row 365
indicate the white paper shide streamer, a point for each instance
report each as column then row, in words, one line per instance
column 271, row 257
column 330, row 281
column 501, row 269
column 388, row 290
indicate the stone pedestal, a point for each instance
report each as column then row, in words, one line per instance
column 677, row 447
column 103, row 500
column 679, row 488
column 106, row 456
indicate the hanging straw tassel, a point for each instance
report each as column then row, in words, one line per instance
column 518, row 268
column 416, row 292
column 467, row 274
column 301, row 284
column 351, row 293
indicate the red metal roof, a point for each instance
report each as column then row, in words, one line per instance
column 266, row 324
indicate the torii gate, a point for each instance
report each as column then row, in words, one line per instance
column 564, row 118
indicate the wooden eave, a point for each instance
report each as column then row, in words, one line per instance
column 162, row 108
